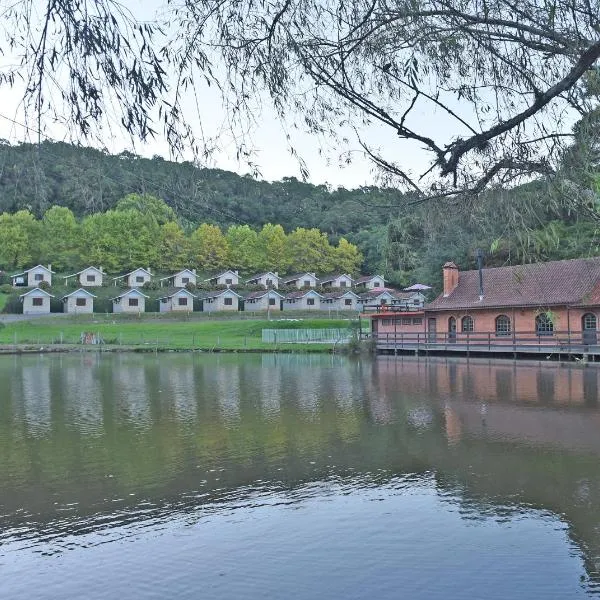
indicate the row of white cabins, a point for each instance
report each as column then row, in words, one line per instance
column 336, row 292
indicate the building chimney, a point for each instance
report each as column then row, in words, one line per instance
column 450, row 271
column 479, row 255
column 49, row 267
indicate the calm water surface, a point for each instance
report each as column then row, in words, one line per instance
column 182, row 476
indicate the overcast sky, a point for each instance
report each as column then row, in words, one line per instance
column 268, row 137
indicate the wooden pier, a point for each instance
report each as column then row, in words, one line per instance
column 561, row 344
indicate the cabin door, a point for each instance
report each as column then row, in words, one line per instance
column 432, row 330
column 588, row 327
column 452, row 330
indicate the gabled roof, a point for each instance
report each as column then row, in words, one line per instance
column 80, row 290
column 366, row 278
column 218, row 293
column 32, row 268
column 564, row 282
column 301, row 294
column 129, row 293
column 131, row 272
column 297, row 276
column 377, row 292
column 178, row 292
column 36, row 291
column 340, row 294
column 259, row 275
column 179, row 273
column 221, row 274
column 261, row 294
column 334, row 276
column 86, row 269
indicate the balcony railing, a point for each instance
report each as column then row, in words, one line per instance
column 392, row 308
column 559, row 341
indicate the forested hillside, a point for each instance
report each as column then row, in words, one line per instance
column 407, row 242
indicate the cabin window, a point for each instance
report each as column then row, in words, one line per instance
column 406, row 321
column 502, row 325
column 269, row 282
column 38, row 277
column 134, row 301
column 383, row 301
column 228, row 301
column 310, row 302
column 37, row 302
column 348, row 301
column 417, row 321
column 343, row 283
column 272, row 301
column 139, row 279
column 377, row 283
column 80, row 302
column 228, row 282
column 544, row 324
column 386, row 322
column 467, row 324
column 307, row 283
column 185, row 280
column 90, row 278
column 182, row 301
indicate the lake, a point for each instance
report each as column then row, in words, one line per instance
column 297, row 476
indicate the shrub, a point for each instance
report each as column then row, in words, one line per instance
column 151, row 285
column 6, row 288
column 191, row 287
column 44, row 285
column 13, row 305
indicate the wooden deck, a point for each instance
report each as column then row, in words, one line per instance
column 559, row 344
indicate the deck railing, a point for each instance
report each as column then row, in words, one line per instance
column 514, row 341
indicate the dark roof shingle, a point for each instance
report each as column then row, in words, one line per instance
column 564, row 282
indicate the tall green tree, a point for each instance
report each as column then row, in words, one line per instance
column 272, row 248
column 60, row 238
column 20, row 239
column 209, row 250
column 244, row 250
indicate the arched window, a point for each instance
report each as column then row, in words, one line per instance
column 467, row 324
column 502, row 325
column 544, row 324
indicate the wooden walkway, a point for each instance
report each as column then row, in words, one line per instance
column 556, row 345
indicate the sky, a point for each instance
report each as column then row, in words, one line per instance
column 268, row 138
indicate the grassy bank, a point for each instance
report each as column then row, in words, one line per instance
column 164, row 334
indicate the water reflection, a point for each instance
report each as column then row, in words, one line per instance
column 95, row 444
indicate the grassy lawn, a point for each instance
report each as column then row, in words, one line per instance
column 3, row 298
column 206, row 334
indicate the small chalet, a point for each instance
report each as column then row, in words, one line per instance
column 36, row 302
column 267, row 300
column 560, row 298
column 221, row 300
column 301, row 280
column 136, row 278
column 340, row 300
column 227, row 278
column 78, row 302
column 410, row 300
column 337, row 280
column 132, row 301
column 33, row 277
column 269, row 280
column 181, row 279
column 89, row 277
column 376, row 297
column 369, row 282
column 179, row 301
column 302, row 300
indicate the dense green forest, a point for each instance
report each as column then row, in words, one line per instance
column 114, row 219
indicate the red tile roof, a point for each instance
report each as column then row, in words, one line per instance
column 564, row 282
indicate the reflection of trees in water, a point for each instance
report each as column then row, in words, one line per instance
column 366, row 423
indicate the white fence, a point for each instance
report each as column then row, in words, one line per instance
column 306, row 336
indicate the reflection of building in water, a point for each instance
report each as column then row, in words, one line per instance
column 36, row 391
column 83, row 403
column 178, row 387
column 131, row 390
column 226, row 382
column 268, row 378
column 523, row 401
